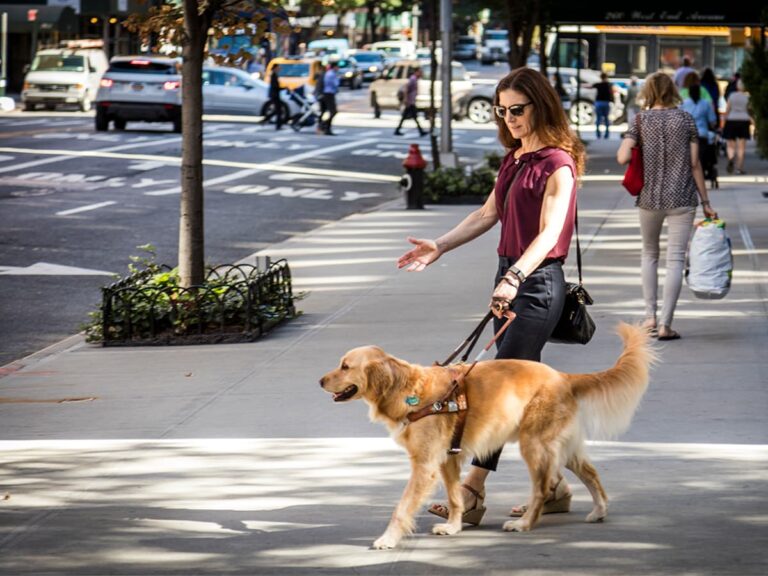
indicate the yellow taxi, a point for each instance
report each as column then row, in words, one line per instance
column 294, row 72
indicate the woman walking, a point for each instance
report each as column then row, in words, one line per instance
column 672, row 179
column 535, row 200
column 736, row 130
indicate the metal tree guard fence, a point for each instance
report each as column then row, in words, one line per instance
column 236, row 303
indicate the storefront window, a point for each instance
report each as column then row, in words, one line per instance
column 728, row 59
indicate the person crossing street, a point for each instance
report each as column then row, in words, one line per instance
column 409, row 110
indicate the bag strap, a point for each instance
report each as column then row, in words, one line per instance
column 578, row 244
column 521, row 165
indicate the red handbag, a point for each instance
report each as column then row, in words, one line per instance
column 633, row 177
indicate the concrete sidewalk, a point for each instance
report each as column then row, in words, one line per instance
column 229, row 459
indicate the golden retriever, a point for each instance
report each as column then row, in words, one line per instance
column 549, row 412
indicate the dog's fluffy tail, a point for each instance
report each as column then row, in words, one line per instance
column 608, row 399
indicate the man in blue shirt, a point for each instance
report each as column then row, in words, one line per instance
column 330, row 88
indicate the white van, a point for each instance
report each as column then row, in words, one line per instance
column 335, row 46
column 67, row 75
column 396, row 49
column 495, row 47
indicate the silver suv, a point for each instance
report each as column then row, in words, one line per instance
column 139, row 88
column 383, row 92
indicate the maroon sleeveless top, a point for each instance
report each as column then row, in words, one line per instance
column 520, row 221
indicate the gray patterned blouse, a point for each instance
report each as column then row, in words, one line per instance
column 666, row 136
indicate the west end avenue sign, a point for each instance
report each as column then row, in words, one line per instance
column 697, row 14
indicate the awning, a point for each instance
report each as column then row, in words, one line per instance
column 61, row 18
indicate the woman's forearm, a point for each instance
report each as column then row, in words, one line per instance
column 474, row 225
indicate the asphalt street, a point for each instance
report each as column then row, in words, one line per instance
column 76, row 204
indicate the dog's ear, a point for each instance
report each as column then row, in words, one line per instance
column 379, row 376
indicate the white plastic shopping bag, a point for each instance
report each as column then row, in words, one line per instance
column 710, row 262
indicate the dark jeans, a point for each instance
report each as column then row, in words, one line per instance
column 602, row 109
column 538, row 306
column 410, row 112
column 330, row 105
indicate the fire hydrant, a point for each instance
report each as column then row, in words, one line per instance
column 412, row 182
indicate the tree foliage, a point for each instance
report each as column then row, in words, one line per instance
column 186, row 27
column 754, row 73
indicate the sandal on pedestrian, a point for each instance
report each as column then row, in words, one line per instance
column 668, row 334
column 554, row 505
column 472, row 516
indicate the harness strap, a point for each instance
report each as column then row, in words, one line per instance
column 456, row 399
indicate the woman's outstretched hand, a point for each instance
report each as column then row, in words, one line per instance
column 422, row 255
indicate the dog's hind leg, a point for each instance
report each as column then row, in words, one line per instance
column 580, row 465
column 419, row 487
column 451, row 472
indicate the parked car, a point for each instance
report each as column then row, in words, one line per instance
column 233, row 91
column 383, row 92
column 477, row 104
column 465, row 48
column 582, row 110
column 139, row 88
column 371, row 62
column 350, row 74
column 148, row 89
column 61, row 76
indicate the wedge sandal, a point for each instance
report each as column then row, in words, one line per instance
column 555, row 506
column 472, row 516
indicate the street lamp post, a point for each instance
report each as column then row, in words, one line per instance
column 415, row 13
column 447, row 156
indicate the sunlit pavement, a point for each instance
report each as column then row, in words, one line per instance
column 230, row 459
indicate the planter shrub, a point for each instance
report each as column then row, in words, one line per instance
column 236, row 303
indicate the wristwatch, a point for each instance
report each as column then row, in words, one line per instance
column 517, row 273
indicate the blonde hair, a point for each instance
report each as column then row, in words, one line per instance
column 548, row 119
column 660, row 90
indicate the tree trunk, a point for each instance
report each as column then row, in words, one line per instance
column 191, row 232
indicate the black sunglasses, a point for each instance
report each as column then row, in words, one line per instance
column 514, row 110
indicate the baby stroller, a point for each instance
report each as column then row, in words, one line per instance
column 708, row 152
column 307, row 114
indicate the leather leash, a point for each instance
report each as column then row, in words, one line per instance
column 456, row 399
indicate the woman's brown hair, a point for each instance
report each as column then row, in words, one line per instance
column 548, row 119
column 660, row 90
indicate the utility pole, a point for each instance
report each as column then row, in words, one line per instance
column 447, row 156
column 3, row 52
column 415, row 14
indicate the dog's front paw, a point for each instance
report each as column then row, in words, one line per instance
column 517, row 526
column 445, row 529
column 598, row 514
column 385, row 542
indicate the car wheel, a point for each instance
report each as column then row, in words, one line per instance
column 29, row 107
column 480, row 111
column 582, row 112
column 177, row 125
column 85, row 104
column 50, row 107
column 102, row 122
column 120, row 124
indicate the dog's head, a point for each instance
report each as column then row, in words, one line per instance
column 362, row 373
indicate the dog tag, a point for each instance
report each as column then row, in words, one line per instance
column 412, row 400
